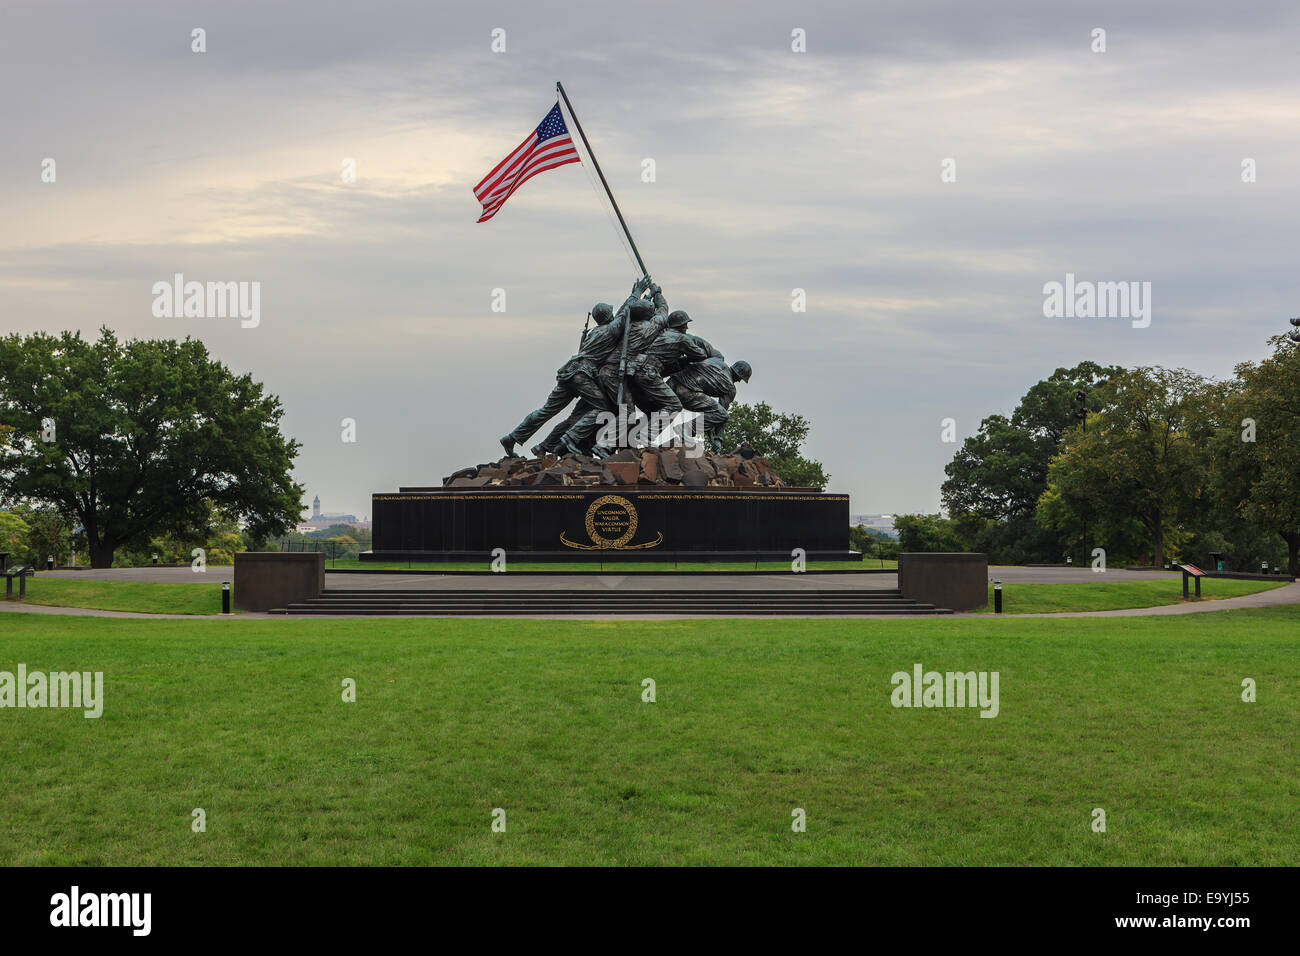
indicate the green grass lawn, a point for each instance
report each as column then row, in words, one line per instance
column 623, row 567
column 1107, row 595
column 144, row 596
column 1142, row 717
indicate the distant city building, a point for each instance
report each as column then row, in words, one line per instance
column 323, row 519
column 883, row 523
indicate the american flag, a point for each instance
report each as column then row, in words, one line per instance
column 545, row 148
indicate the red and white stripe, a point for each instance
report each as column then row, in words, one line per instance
column 523, row 164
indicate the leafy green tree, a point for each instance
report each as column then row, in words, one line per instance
column 14, row 532
column 145, row 434
column 864, row 539
column 49, row 535
column 778, row 436
column 1123, row 537
column 872, row 542
column 1051, row 407
column 1257, row 447
column 343, row 546
column 996, row 478
column 926, row 533
column 1142, row 458
column 1001, row 471
column 220, row 538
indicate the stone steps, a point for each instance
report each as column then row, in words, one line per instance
column 609, row 603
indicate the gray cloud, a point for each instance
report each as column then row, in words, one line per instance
column 775, row 171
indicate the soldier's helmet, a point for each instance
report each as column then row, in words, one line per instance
column 603, row 313
column 678, row 319
column 640, row 310
column 742, row 371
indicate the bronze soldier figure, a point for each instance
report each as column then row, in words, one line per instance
column 650, row 362
column 578, row 377
column 680, row 320
column 709, row 387
column 648, row 322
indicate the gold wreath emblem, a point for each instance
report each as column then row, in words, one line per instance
column 600, row 542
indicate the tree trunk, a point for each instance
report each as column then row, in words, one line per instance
column 101, row 554
column 1292, row 553
column 1158, row 559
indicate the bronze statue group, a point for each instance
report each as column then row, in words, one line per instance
column 664, row 370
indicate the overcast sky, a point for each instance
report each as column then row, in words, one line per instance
column 775, row 170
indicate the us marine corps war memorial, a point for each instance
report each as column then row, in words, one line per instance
column 632, row 465
column 622, row 461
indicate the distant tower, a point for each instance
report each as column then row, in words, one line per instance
column 315, row 507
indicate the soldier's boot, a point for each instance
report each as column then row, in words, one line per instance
column 508, row 443
column 540, row 449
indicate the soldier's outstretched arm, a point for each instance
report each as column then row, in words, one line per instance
column 638, row 290
column 659, row 323
column 661, row 304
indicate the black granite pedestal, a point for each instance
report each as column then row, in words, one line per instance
column 609, row 523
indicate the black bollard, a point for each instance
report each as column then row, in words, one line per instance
column 225, row 597
column 997, row 597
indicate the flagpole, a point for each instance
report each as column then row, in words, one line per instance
column 622, row 359
column 608, row 192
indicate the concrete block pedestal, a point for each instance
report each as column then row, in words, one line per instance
column 267, row 579
column 958, row 581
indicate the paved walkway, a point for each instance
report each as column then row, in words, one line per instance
column 159, row 575
column 1287, row 594
column 22, row 607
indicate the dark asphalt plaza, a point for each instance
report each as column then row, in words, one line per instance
column 650, row 581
